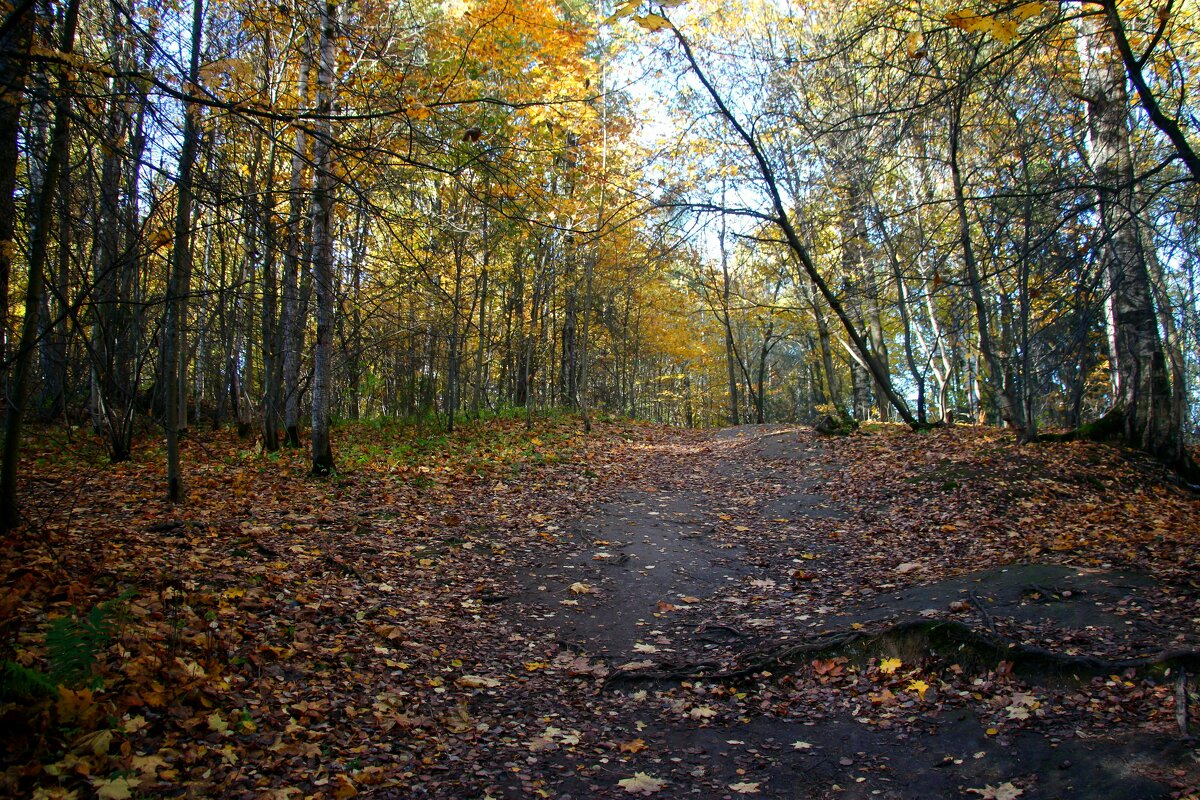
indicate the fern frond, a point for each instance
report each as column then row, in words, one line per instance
column 23, row 684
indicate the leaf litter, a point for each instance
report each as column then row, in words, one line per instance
column 286, row 637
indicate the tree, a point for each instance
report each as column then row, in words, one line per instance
column 322, row 246
column 1143, row 409
column 43, row 220
column 181, row 257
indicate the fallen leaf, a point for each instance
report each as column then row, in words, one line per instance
column 641, row 783
column 346, row 788
column 1005, row 791
column 148, row 765
column 476, row 682
column 744, row 788
column 115, row 789
column 889, row 665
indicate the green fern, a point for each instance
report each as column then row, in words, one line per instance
column 73, row 645
column 23, row 684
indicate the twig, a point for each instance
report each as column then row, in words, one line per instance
column 984, row 614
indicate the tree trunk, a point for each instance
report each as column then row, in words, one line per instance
column 181, row 258
column 1142, row 383
column 291, row 321
column 322, row 249
column 730, row 345
column 14, row 67
column 39, row 244
column 1010, row 412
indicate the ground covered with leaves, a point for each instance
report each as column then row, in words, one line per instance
column 639, row 612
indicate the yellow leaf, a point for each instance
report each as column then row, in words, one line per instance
column 915, row 46
column 652, row 22
column 966, row 20
column 1027, row 10
column 637, row 745
column 345, row 789
column 215, row 723
column 148, row 765
column 1003, row 29
column 623, row 10
column 919, row 686
column 116, row 789
column 641, row 783
column 889, row 665
column 476, row 682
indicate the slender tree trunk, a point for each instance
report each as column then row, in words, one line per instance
column 43, row 219
column 453, row 359
column 291, row 321
column 14, row 67
column 322, row 452
column 481, row 347
column 181, row 263
column 270, row 316
column 1010, row 412
column 730, row 345
column 55, row 311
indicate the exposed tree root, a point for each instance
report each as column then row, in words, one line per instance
column 949, row 641
column 1111, row 428
column 1107, row 428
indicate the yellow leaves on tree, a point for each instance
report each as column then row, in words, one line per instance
column 1002, row 27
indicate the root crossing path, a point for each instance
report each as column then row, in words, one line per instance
column 694, row 608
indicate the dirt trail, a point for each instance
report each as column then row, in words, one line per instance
column 673, row 576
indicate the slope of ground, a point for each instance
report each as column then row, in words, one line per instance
column 757, row 611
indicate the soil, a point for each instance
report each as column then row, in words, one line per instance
column 734, row 552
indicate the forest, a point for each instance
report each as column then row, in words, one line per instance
column 278, row 217
column 364, row 249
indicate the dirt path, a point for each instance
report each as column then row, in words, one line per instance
column 733, row 546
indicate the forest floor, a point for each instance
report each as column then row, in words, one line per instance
column 644, row 611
